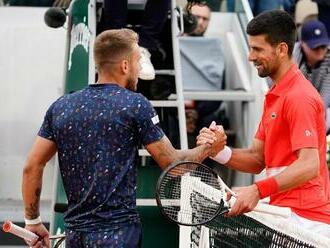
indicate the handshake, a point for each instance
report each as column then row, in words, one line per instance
column 215, row 138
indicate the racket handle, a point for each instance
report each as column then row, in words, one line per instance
column 10, row 227
column 284, row 212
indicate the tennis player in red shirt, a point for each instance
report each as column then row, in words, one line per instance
column 290, row 142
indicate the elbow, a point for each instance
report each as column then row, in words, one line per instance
column 32, row 168
column 168, row 161
column 260, row 166
column 28, row 169
column 259, row 170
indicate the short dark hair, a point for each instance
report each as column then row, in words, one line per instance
column 190, row 4
column 277, row 25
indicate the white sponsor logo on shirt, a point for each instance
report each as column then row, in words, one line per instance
column 308, row 133
column 155, row 119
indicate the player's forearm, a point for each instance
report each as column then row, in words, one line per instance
column 246, row 160
column 303, row 169
column 165, row 154
column 298, row 173
column 31, row 189
column 197, row 154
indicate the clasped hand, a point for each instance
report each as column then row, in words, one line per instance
column 246, row 198
column 214, row 136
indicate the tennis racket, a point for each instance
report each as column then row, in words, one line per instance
column 23, row 233
column 190, row 193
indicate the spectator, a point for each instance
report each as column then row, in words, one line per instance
column 289, row 6
column 202, row 12
column 96, row 132
column 324, row 12
column 305, row 10
column 200, row 113
column 31, row 3
column 215, row 5
column 258, row 6
column 155, row 13
column 312, row 55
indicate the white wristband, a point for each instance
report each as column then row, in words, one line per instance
column 33, row 222
column 223, row 156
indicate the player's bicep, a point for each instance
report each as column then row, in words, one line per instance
column 309, row 157
column 305, row 168
column 257, row 151
column 162, row 152
column 258, row 148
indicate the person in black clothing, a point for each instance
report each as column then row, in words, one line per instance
column 324, row 12
column 114, row 16
column 201, row 113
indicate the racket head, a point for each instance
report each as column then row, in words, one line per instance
column 189, row 193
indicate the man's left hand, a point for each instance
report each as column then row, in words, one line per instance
column 247, row 199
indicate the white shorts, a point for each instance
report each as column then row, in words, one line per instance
column 311, row 225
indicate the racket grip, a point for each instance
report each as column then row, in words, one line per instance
column 10, row 227
column 284, row 212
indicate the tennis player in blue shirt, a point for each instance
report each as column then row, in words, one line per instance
column 96, row 132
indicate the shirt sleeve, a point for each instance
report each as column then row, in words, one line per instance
column 147, row 122
column 302, row 115
column 46, row 129
column 260, row 134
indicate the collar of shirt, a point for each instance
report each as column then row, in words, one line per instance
column 285, row 83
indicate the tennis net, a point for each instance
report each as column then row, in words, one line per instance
column 250, row 230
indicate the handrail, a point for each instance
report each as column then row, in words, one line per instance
column 223, row 95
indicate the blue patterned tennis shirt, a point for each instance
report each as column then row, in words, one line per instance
column 97, row 131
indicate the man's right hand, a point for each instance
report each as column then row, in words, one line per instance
column 42, row 232
column 214, row 136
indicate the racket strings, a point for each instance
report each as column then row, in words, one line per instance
column 202, row 207
column 190, row 194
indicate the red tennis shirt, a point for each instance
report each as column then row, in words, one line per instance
column 294, row 118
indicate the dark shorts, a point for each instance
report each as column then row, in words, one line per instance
column 124, row 237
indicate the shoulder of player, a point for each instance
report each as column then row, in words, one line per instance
column 306, row 96
column 138, row 97
column 64, row 99
column 302, row 88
